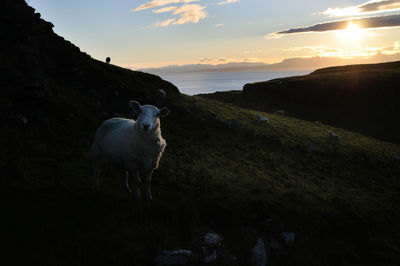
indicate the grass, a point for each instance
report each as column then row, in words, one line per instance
column 214, row 176
column 355, row 97
column 344, row 210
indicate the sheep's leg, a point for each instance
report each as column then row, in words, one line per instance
column 124, row 183
column 147, row 185
column 136, row 182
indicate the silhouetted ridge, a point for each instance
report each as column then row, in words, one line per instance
column 362, row 98
column 48, row 80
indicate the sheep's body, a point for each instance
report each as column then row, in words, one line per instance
column 126, row 146
column 262, row 119
column 118, row 141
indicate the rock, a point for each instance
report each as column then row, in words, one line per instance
column 262, row 119
column 213, row 239
column 209, row 244
column 212, row 257
column 177, row 252
column 311, row 148
column 209, row 117
column 363, row 157
column 259, row 254
column 173, row 257
column 234, row 123
column 23, row 119
column 288, row 238
column 280, row 112
column 276, row 248
column 396, row 161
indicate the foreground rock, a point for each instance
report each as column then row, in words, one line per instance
column 202, row 251
column 259, row 254
column 173, row 257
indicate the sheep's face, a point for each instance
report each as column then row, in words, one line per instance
column 149, row 115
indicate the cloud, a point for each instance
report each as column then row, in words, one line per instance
column 227, row 2
column 190, row 13
column 365, row 23
column 394, row 49
column 219, row 25
column 164, row 23
column 368, row 8
column 158, row 3
column 165, row 9
column 217, row 61
column 347, row 53
column 205, row 60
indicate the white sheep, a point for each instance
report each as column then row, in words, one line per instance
column 131, row 146
column 262, row 119
column 332, row 137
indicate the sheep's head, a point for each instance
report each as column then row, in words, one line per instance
column 148, row 116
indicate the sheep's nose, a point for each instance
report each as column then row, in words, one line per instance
column 146, row 126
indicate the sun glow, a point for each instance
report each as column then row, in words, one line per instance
column 353, row 32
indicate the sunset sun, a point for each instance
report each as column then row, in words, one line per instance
column 352, row 32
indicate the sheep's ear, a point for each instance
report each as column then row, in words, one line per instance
column 164, row 112
column 135, row 106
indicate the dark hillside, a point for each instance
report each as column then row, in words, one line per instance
column 363, row 98
column 48, row 80
column 221, row 171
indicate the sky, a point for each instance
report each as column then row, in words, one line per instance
column 155, row 33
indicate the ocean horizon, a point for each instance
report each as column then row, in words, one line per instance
column 192, row 83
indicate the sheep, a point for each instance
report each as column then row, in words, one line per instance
column 131, row 146
column 318, row 123
column 332, row 137
column 262, row 119
column 159, row 97
column 280, row 112
column 108, row 60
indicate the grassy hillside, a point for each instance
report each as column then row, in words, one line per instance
column 341, row 202
column 362, row 98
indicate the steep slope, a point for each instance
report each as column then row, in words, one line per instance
column 342, row 202
column 363, row 98
column 45, row 78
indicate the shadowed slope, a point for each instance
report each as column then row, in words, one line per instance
column 342, row 202
column 363, row 98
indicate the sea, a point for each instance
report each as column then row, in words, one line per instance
column 192, row 83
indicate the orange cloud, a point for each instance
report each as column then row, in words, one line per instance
column 158, row 3
column 368, row 8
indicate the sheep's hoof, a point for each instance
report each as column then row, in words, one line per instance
column 126, row 190
column 148, row 196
